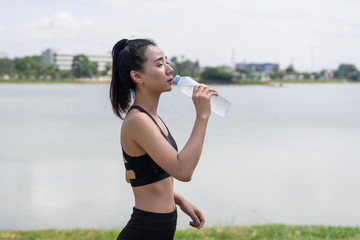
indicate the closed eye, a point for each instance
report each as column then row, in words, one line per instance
column 160, row 64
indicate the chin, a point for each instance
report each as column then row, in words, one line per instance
column 168, row 89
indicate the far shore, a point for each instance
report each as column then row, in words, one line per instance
column 241, row 82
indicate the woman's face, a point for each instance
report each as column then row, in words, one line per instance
column 157, row 72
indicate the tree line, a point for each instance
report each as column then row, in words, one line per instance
column 31, row 67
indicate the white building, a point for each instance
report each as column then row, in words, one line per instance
column 64, row 61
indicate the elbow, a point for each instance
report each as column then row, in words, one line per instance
column 185, row 177
column 183, row 173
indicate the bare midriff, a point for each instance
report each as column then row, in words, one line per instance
column 156, row 197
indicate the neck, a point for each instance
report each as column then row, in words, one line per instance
column 149, row 101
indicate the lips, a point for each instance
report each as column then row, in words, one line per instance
column 170, row 80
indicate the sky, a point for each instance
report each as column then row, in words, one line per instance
column 310, row 34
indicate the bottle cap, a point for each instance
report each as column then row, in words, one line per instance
column 177, row 79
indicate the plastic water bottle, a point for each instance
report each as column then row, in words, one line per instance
column 219, row 105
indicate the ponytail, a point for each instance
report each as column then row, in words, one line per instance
column 127, row 55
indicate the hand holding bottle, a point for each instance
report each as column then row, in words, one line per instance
column 219, row 105
column 201, row 98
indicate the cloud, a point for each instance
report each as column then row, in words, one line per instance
column 61, row 25
column 63, row 31
column 281, row 31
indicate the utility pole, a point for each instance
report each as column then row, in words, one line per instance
column 233, row 73
column 311, row 58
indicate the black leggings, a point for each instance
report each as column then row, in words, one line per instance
column 149, row 225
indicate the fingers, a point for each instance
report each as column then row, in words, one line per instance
column 213, row 92
column 201, row 99
column 198, row 219
column 204, row 90
column 202, row 219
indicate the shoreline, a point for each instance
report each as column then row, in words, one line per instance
column 274, row 83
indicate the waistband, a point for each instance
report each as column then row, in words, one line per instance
column 151, row 221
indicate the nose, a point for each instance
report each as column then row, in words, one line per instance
column 169, row 69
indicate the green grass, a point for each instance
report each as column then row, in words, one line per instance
column 262, row 232
column 272, row 232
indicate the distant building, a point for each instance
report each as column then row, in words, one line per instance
column 64, row 61
column 327, row 74
column 225, row 68
column 264, row 67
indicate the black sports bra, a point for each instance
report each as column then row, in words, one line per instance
column 145, row 168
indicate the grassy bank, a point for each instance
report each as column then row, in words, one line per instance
column 277, row 82
column 262, row 232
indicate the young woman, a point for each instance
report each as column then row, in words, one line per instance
column 141, row 73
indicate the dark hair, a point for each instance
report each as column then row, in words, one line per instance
column 127, row 55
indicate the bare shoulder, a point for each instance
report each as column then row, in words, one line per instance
column 137, row 124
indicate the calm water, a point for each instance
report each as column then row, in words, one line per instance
column 286, row 154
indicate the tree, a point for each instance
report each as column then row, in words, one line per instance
column 31, row 67
column 28, row 66
column 195, row 69
column 348, row 71
column 105, row 72
column 94, row 68
column 277, row 75
column 354, row 75
column 175, row 65
column 290, row 69
column 6, row 66
column 49, row 69
column 185, row 66
column 276, row 68
column 83, row 67
column 347, row 68
column 216, row 75
column 339, row 75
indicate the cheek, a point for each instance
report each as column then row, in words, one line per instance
column 155, row 71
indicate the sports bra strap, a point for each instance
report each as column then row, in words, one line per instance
column 144, row 111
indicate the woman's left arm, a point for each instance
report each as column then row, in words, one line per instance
column 188, row 208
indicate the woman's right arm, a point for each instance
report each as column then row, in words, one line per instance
column 179, row 165
column 190, row 154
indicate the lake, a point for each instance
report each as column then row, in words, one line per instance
column 287, row 154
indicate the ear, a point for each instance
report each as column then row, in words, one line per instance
column 136, row 77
